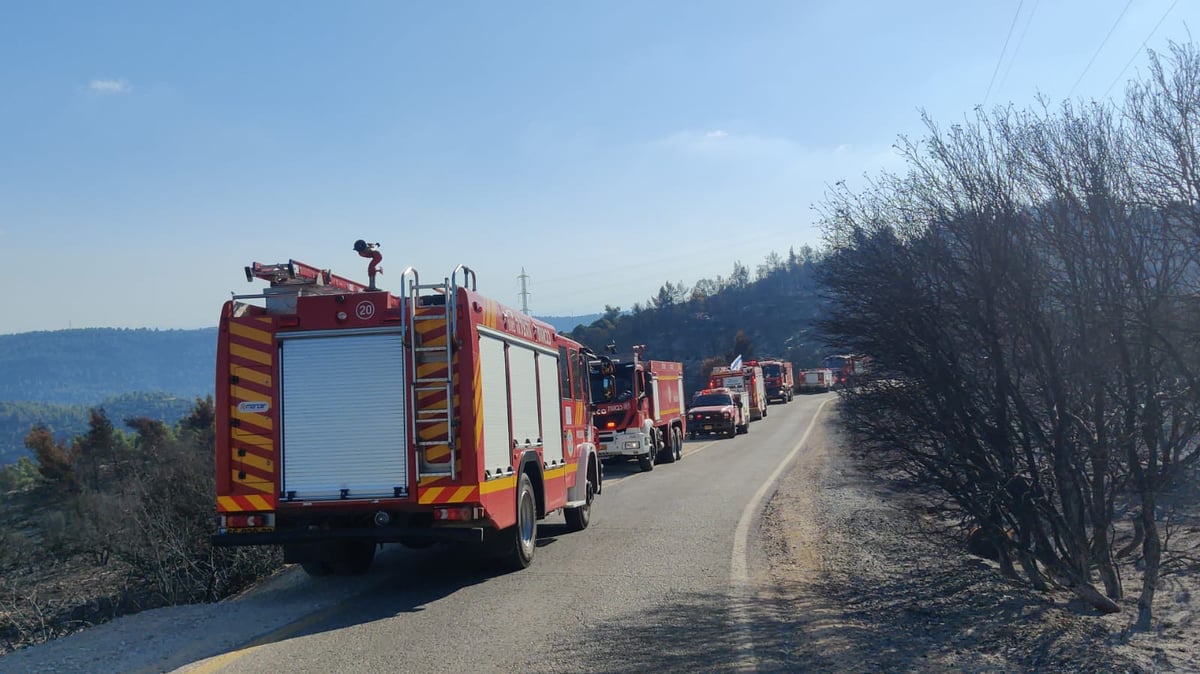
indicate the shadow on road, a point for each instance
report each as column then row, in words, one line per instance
column 927, row 622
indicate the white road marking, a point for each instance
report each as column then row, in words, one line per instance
column 739, row 567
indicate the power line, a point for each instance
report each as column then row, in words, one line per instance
column 1101, row 47
column 1002, row 50
column 1139, row 49
column 1020, row 41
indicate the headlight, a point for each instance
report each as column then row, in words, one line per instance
column 727, row 416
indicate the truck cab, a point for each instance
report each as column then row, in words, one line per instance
column 717, row 411
column 637, row 409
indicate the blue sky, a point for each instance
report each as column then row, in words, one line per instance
column 150, row 150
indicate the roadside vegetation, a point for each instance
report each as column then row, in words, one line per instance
column 110, row 523
column 1029, row 291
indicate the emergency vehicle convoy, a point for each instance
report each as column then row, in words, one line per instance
column 638, row 408
column 777, row 378
column 349, row 417
column 746, row 379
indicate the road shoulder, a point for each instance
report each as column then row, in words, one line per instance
column 859, row 579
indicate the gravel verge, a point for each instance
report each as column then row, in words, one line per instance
column 868, row 581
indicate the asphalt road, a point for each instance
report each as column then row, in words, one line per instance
column 663, row 580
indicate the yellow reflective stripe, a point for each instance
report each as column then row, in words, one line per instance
column 254, row 461
column 239, row 503
column 254, row 439
column 248, row 353
column 243, row 330
column 260, row 484
column 251, row 375
column 498, row 485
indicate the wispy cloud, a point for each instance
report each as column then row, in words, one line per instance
column 107, row 87
column 721, row 143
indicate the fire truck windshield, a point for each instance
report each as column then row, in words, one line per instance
column 836, row 362
column 712, row 400
column 615, row 387
column 772, row 370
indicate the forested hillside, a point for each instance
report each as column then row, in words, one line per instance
column 767, row 313
column 84, row 367
column 55, row 378
column 65, row 421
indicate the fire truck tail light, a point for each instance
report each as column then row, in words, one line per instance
column 289, row 321
column 458, row 513
column 248, row 521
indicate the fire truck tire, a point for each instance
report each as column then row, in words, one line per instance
column 354, row 557
column 646, row 462
column 678, row 437
column 666, row 451
column 579, row 518
column 670, row 450
column 317, row 568
column 522, row 537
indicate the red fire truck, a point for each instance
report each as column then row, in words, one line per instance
column 746, row 379
column 638, row 408
column 847, row 368
column 777, row 376
column 347, row 418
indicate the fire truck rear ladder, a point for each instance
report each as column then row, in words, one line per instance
column 432, row 364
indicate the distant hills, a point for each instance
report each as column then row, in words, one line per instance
column 84, row 367
column 569, row 323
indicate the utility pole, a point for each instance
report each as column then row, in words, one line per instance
column 524, row 292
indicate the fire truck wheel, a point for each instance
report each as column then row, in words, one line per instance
column 666, row 448
column 646, row 462
column 354, row 557
column 677, row 436
column 523, row 541
column 317, row 568
column 579, row 518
